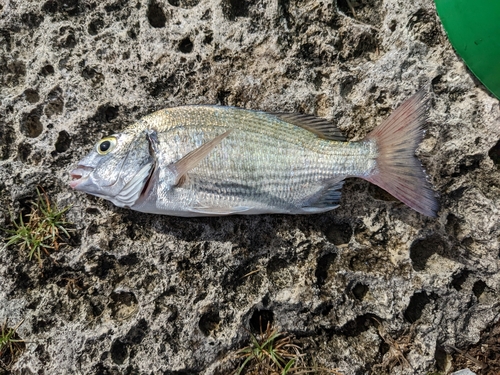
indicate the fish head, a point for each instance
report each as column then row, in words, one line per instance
column 117, row 168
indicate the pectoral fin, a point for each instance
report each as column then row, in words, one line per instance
column 192, row 159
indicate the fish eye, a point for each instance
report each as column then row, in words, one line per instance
column 105, row 145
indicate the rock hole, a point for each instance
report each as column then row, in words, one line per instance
column 111, row 113
column 156, row 16
column 31, row 125
column 96, row 308
column 95, row 26
column 124, row 305
column 322, row 267
column 458, row 279
column 184, row 3
column 208, row 39
column 452, row 225
column 93, row 75
column 235, row 8
column 63, row 141
column 494, row 154
column 116, row 6
column 209, row 322
column 70, row 42
column 443, row 360
column 32, row 20
column 47, row 70
column 344, row 7
column 359, row 325
column 324, row 309
column 383, row 348
column 165, row 84
column 6, row 139
column 467, row 164
column 260, row 320
column 359, row 291
column 50, row 7
column 339, row 233
column 222, row 96
column 129, row 260
column 189, row 3
column 422, row 249
column 31, row 96
column 478, row 288
column 14, row 73
column 102, row 265
column 425, row 27
column 106, row 113
column 416, row 306
column 118, row 352
column 346, row 85
column 186, row 46
column 392, row 25
column 55, row 103
column 171, row 313
column 137, row 333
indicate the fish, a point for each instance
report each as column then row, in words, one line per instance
column 209, row 160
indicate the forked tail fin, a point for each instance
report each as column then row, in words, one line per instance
column 398, row 170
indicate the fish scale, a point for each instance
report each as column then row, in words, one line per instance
column 256, row 139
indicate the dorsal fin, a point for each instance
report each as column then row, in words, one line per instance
column 317, row 125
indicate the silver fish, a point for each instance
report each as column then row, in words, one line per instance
column 214, row 160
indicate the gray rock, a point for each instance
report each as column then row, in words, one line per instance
column 145, row 294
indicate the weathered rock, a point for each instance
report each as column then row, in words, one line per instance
column 145, row 294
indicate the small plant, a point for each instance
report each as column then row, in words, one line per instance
column 45, row 229
column 270, row 353
column 10, row 344
column 274, row 353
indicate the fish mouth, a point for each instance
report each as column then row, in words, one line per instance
column 80, row 174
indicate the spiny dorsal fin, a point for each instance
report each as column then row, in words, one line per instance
column 319, row 126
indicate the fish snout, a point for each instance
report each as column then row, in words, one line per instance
column 79, row 175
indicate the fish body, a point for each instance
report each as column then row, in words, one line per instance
column 214, row 160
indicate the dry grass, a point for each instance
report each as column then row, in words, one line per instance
column 484, row 357
column 398, row 349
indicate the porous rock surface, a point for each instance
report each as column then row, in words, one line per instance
column 145, row 294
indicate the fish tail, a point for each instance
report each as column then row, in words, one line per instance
column 398, row 171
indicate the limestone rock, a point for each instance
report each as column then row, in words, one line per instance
column 145, row 294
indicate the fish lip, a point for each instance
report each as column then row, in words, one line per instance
column 80, row 174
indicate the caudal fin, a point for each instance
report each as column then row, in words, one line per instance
column 398, row 171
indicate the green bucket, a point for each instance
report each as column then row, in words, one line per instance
column 473, row 27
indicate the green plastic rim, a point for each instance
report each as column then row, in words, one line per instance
column 473, row 27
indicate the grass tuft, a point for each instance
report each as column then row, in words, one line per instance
column 10, row 345
column 269, row 353
column 274, row 353
column 45, row 229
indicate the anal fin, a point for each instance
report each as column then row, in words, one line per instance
column 326, row 198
